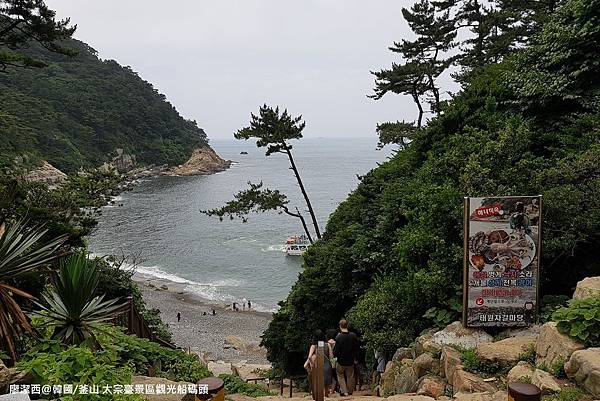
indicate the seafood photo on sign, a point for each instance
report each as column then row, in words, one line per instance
column 501, row 266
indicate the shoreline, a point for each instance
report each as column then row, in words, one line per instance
column 228, row 336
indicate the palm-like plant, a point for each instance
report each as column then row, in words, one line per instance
column 21, row 251
column 71, row 307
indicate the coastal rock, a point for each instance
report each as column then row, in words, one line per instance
column 545, row 382
column 467, row 382
column 47, row 174
column 554, row 347
column 203, row 161
column 507, row 351
column 425, row 363
column 432, row 386
column 123, row 162
column 220, row 368
column 153, row 381
column 456, row 334
column 234, row 342
column 249, row 370
column 450, row 362
column 164, row 287
column 521, row 372
column 584, row 368
column 587, row 287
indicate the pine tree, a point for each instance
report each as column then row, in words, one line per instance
column 23, row 22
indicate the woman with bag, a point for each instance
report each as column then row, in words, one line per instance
column 327, row 356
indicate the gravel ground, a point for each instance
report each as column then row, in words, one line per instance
column 206, row 335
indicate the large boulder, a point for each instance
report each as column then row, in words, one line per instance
column 507, row 351
column 521, row 372
column 450, row 362
column 584, row 368
column 234, row 342
column 426, row 363
column 456, row 334
column 553, row 347
column 406, row 380
column 531, row 331
column 545, row 382
column 425, row 343
column 403, row 353
column 386, row 385
column 433, row 386
column 587, row 287
column 220, row 368
column 466, row 382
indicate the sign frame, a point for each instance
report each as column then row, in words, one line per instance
column 466, row 263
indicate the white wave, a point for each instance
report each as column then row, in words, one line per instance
column 211, row 291
column 274, row 248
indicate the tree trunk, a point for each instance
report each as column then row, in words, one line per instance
column 304, row 225
column 308, row 204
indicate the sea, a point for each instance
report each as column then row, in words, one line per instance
column 159, row 228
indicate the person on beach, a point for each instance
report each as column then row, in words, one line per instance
column 327, row 356
column 213, row 312
column 345, row 350
column 244, row 303
column 178, row 317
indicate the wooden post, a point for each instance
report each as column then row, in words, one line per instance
column 318, row 377
column 291, row 385
column 130, row 315
column 281, row 392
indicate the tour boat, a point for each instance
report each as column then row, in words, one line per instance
column 296, row 245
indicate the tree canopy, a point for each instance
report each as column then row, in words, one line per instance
column 526, row 123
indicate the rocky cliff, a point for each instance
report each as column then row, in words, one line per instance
column 203, row 161
column 46, row 173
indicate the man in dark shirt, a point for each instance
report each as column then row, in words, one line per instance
column 345, row 350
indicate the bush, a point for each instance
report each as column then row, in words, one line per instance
column 550, row 304
column 580, row 320
column 143, row 355
column 565, row 394
column 236, row 385
column 472, row 363
column 53, row 364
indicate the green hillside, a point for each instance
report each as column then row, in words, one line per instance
column 77, row 111
column 524, row 125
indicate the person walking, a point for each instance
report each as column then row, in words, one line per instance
column 249, row 305
column 311, row 361
column 178, row 317
column 330, row 336
column 345, row 350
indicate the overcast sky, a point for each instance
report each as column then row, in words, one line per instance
column 217, row 61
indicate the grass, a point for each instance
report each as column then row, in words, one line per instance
column 566, row 394
column 472, row 363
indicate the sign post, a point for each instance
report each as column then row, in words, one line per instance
column 501, row 261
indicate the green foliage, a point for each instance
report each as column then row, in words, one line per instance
column 236, row 385
column 24, row 21
column 472, row 363
column 402, row 226
column 69, row 210
column 529, row 356
column 72, row 307
column 77, row 111
column 21, row 252
column 144, row 356
column 566, row 394
column 54, row 364
column 580, row 320
column 115, row 280
column 556, row 368
column 550, row 304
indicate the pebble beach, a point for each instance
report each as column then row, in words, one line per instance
column 228, row 335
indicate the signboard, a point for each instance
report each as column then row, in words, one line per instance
column 501, row 267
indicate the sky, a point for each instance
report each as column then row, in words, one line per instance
column 217, row 61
